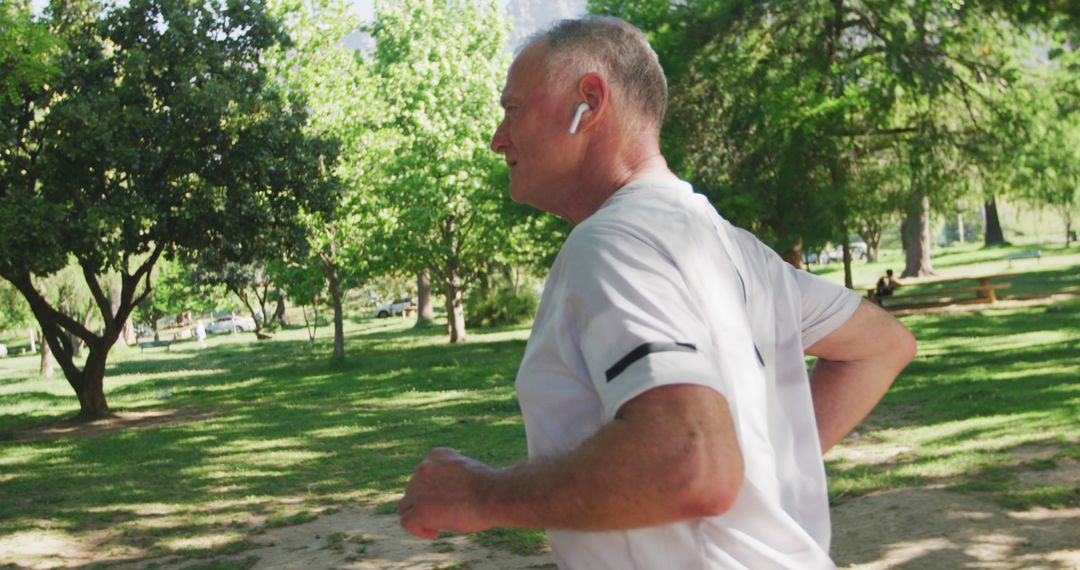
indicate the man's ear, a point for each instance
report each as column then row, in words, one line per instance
column 595, row 91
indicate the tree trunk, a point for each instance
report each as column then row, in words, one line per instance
column 88, row 383
column 339, row 317
column 960, row 226
column 916, row 230
column 279, row 311
column 33, row 341
column 311, row 328
column 794, row 255
column 46, row 367
column 454, row 307
column 262, row 319
column 86, row 323
column 846, row 246
column 91, row 388
column 872, row 234
column 994, row 235
column 1066, row 215
column 114, row 306
column 128, row 334
column 424, row 313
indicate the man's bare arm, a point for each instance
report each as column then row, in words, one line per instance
column 671, row 454
column 856, row 365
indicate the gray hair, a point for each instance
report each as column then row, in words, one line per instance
column 613, row 47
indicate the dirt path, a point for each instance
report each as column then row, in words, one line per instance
column 921, row 528
column 360, row 539
column 938, row 529
column 915, row 528
column 907, row 529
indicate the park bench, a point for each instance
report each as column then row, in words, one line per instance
column 985, row 291
column 155, row 344
column 1026, row 254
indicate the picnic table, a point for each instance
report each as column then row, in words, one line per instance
column 984, row 291
column 1026, row 254
column 155, row 344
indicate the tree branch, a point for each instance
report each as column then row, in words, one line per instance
column 876, row 132
column 150, row 261
column 49, row 320
column 95, row 290
column 867, row 52
column 43, row 311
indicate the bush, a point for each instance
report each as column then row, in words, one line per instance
column 504, row 306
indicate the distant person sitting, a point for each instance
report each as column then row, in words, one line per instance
column 886, row 285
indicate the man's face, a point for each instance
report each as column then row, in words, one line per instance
column 533, row 133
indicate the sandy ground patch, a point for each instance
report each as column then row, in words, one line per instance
column 906, row 529
column 1004, row 302
column 922, row 528
column 934, row 528
column 360, row 539
column 113, row 422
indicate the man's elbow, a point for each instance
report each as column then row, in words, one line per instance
column 905, row 347
column 711, row 487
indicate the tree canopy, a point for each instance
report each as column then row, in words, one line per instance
column 781, row 110
column 156, row 132
column 439, row 66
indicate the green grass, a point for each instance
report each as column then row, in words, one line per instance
column 1055, row 271
column 280, row 433
column 520, row 541
column 275, row 433
column 985, row 384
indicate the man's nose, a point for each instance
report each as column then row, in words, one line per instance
column 499, row 142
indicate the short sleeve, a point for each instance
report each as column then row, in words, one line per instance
column 639, row 324
column 824, row 305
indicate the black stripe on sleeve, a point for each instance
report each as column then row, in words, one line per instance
column 645, row 350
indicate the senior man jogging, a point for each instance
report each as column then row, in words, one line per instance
column 670, row 419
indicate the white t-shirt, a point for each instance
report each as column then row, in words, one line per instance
column 656, row 288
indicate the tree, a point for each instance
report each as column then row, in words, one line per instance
column 305, row 285
column 250, row 283
column 778, row 107
column 1048, row 163
column 176, row 290
column 878, row 190
column 439, row 66
column 348, row 241
column 155, row 132
column 14, row 313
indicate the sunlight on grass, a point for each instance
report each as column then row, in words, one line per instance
column 969, row 401
column 28, row 453
column 264, row 434
column 341, row 431
column 250, row 445
column 997, row 343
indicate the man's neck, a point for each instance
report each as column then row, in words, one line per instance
column 596, row 185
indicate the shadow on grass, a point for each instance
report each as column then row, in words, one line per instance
column 933, row 528
column 283, row 430
column 285, row 422
column 1024, row 282
column 985, row 383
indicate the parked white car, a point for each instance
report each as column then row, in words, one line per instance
column 225, row 324
column 396, row 308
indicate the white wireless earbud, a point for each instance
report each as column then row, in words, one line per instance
column 577, row 116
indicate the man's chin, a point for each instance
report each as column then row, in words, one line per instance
column 516, row 193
